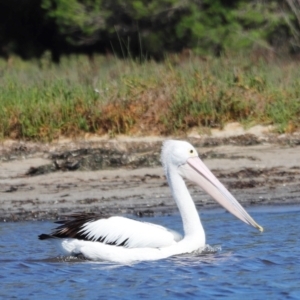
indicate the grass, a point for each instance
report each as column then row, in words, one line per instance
column 42, row 101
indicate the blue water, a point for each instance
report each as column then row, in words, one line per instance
column 250, row 265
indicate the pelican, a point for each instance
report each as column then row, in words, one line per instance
column 122, row 240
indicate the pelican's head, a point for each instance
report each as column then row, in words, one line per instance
column 177, row 153
column 184, row 157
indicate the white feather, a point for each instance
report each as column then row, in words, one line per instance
column 135, row 234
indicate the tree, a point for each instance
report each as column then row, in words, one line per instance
column 147, row 28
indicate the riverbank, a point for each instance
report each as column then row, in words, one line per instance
column 123, row 175
column 115, row 96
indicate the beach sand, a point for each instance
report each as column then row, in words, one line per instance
column 123, row 175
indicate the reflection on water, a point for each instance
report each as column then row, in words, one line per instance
column 241, row 262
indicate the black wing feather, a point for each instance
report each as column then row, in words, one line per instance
column 70, row 228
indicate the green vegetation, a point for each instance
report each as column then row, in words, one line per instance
column 152, row 90
column 147, row 28
column 40, row 100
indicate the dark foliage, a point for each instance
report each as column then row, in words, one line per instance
column 142, row 28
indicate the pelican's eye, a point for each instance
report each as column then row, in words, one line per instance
column 192, row 151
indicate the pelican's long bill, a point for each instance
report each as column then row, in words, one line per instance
column 196, row 171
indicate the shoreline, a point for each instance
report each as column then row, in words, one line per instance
column 124, row 176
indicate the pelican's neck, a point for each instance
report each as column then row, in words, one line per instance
column 190, row 218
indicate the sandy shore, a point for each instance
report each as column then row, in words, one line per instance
column 123, row 175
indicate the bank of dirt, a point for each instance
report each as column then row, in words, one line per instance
column 124, row 176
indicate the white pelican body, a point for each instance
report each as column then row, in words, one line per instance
column 123, row 240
